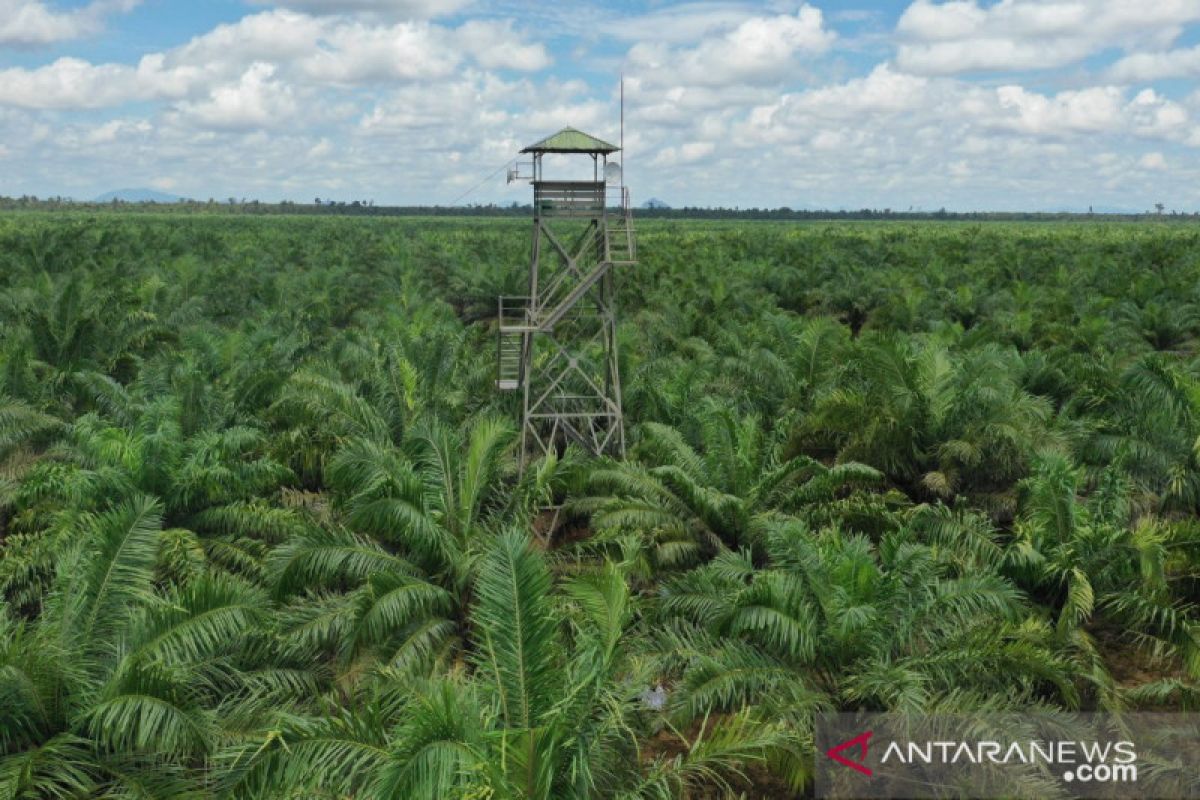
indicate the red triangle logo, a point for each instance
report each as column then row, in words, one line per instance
column 860, row 742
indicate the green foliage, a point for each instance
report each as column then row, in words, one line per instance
column 263, row 533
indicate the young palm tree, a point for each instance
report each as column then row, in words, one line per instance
column 1087, row 560
column 937, row 424
column 1146, row 418
column 690, row 504
column 119, row 689
column 413, row 528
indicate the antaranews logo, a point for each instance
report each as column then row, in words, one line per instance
column 861, row 742
column 1008, row 755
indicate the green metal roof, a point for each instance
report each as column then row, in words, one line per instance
column 569, row 140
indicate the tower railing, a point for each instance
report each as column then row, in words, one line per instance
column 569, row 198
column 513, row 312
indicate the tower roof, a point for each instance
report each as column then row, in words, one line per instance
column 569, row 140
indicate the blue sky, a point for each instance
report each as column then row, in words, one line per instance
column 969, row 104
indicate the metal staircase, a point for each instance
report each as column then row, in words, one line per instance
column 513, row 315
column 620, row 243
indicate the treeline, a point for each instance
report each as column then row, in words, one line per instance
column 368, row 208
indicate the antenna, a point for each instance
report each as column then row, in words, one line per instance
column 624, row 155
column 517, row 172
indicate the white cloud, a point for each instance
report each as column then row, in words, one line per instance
column 759, row 49
column 494, row 45
column 483, row 113
column 34, row 22
column 421, row 9
column 256, row 100
column 1153, row 115
column 69, row 83
column 275, row 36
column 304, row 51
column 687, row 153
column 321, row 149
column 355, row 53
column 454, row 109
column 694, row 90
column 963, row 36
column 883, row 90
column 113, row 129
column 1153, row 66
column 945, row 138
column 1153, row 161
column 1092, row 110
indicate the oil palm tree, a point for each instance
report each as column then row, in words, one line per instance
column 119, row 689
column 411, row 529
column 938, row 424
column 1092, row 559
column 687, row 504
column 549, row 706
column 1146, row 418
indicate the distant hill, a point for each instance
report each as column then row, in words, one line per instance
column 138, row 196
column 654, row 202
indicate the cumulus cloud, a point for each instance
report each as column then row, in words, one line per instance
column 484, row 113
column 948, row 104
column 1181, row 63
column 301, row 50
column 113, row 129
column 687, row 153
column 1153, row 161
column 1093, row 110
column 494, row 45
column 256, row 100
column 759, row 49
column 964, row 36
column 26, row 23
column 70, row 83
column 421, row 9
column 893, row 132
column 694, row 90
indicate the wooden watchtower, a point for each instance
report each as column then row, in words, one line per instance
column 557, row 344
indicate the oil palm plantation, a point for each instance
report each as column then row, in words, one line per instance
column 263, row 533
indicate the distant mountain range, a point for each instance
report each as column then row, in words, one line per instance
column 138, row 196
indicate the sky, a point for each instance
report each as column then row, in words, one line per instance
column 966, row 105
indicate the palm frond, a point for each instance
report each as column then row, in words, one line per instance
column 515, row 631
column 112, row 574
column 207, row 615
column 439, row 750
column 328, row 557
